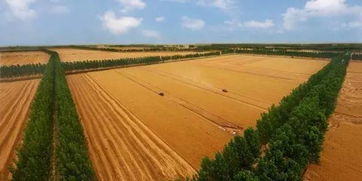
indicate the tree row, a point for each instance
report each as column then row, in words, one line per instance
column 21, row 70
column 357, row 57
column 94, row 64
column 287, row 138
column 318, row 47
column 53, row 110
column 286, row 53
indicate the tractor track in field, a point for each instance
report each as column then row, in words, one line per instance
column 214, row 90
column 206, row 115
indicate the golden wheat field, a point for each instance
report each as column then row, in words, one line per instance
column 157, row 122
column 21, row 58
column 15, row 98
column 343, row 142
column 72, row 54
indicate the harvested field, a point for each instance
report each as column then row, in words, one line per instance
column 72, row 54
column 341, row 156
column 21, row 58
column 157, row 122
column 15, row 98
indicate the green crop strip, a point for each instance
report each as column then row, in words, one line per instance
column 287, row 138
column 53, row 105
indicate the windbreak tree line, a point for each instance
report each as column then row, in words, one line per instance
column 35, row 153
column 93, row 64
column 146, row 49
column 288, row 53
column 53, row 106
column 7, row 71
column 286, row 139
column 73, row 161
column 319, row 47
column 357, row 56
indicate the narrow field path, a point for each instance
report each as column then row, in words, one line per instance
column 121, row 146
column 15, row 98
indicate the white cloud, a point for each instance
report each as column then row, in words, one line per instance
column 191, row 23
column 21, row 9
column 160, row 19
column 119, row 25
column 259, row 24
column 59, row 9
column 352, row 24
column 294, row 16
column 129, row 5
column 222, row 4
column 325, row 7
column 319, row 8
column 252, row 24
column 151, row 34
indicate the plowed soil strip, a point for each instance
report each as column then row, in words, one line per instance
column 341, row 156
column 16, row 98
column 121, row 146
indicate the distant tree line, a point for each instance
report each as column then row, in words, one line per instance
column 7, row 71
column 53, row 106
column 286, row 139
column 93, row 64
column 357, row 56
column 288, row 53
column 146, row 49
column 319, row 47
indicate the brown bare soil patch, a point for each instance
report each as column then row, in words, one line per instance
column 188, row 109
column 72, row 54
column 28, row 57
column 341, row 157
column 15, row 98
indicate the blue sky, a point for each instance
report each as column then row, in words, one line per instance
column 50, row 22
